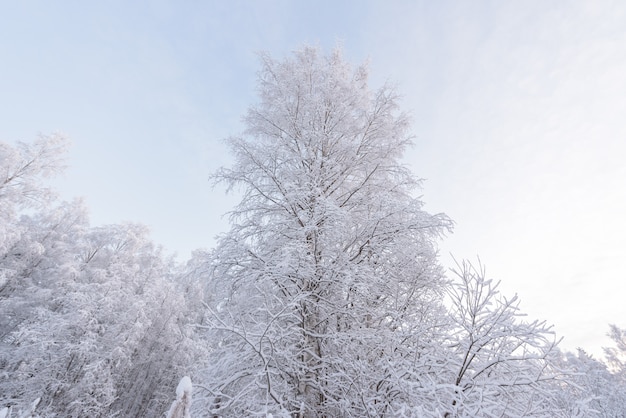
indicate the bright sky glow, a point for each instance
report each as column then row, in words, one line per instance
column 519, row 113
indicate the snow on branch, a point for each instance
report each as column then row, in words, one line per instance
column 180, row 407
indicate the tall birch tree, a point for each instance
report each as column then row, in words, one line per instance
column 327, row 286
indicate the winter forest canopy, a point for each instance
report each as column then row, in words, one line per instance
column 325, row 299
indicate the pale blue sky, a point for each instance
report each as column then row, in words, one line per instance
column 519, row 113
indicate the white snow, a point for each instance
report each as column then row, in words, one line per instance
column 184, row 387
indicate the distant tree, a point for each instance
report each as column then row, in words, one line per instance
column 594, row 390
column 326, row 291
column 616, row 356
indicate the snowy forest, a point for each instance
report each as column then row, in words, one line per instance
column 326, row 298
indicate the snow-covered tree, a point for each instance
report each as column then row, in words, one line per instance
column 596, row 388
column 7, row 412
column 503, row 364
column 24, row 167
column 616, row 356
column 23, row 170
column 326, row 290
column 92, row 320
column 594, row 391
